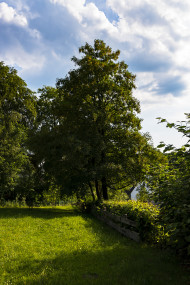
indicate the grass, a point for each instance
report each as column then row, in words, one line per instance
column 61, row 246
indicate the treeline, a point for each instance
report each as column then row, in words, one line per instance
column 84, row 138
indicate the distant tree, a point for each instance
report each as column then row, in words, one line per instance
column 17, row 111
column 44, row 135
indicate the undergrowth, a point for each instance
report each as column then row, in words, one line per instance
column 146, row 215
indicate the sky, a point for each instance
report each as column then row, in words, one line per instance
column 39, row 38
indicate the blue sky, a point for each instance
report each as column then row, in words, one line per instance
column 39, row 38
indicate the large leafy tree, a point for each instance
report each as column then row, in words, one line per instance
column 99, row 127
column 17, row 110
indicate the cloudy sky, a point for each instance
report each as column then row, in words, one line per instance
column 39, row 38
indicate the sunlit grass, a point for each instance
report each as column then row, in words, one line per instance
column 61, row 246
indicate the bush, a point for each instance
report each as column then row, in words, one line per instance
column 84, row 205
column 169, row 186
column 13, row 204
column 146, row 215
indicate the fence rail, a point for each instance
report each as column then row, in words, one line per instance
column 118, row 223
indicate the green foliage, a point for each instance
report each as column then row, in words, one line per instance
column 17, row 203
column 84, row 205
column 60, row 246
column 86, row 135
column 52, row 195
column 119, row 195
column 44, row 142
column 143, row 194
column 169, row 186
column 145, row 214
column 97, row 141
column 17, row 111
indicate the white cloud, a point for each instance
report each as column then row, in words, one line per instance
column 91, row 19
column 168, row 107
column 75, row 7
column 26, row 61
column 153, row 37
column 16, row 39
column 165, row 23
column 10, row 15
column 156, row 32
column 18, row 16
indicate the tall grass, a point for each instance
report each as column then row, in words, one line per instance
column 62, row 246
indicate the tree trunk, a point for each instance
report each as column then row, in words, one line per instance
column 104, row 188
column 103, row 180
column 93, row 197
column 97, row 189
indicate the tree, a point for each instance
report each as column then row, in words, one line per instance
column 99, row 127
column 17, row 111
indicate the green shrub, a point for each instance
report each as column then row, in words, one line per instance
column 146, row 215
column 13, row 204
column 83, row 205
column 169, row 186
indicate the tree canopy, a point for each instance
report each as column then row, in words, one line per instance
column 17, row 111
column 86, row 136
column 94, row 139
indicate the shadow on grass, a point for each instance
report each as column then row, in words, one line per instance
column 114, row 260
column 121, row 265
column 44, row 213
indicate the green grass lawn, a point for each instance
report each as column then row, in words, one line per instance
column 61, row 246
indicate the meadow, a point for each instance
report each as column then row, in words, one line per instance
column 62, row 246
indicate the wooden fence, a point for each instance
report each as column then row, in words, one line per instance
column 118, row 223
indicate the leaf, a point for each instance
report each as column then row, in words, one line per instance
column 170, row 125
column 169, row 148
column 187, row 145
column 160, row 120
column 162, row 144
